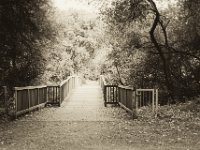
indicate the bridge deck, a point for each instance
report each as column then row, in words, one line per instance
column 85, row 104
column 82, row 122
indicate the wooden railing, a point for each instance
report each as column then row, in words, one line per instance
column 102, row 81
column 53, row 95
column 68, row 85
column 110, row 92
column 32, row 97
column 129, row 98
column 147, row 97
column 29, row 98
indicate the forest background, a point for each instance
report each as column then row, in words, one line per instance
column 140, row 43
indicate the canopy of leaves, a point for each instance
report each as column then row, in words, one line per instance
column 128, row 25
column 25, row 29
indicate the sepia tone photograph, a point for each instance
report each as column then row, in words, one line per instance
column 99, row 74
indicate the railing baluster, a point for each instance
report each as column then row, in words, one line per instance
column 113, row 94
column 153, row 107
column 56, row 94
column 16, row 102
column 38, row 96
column 29, row 100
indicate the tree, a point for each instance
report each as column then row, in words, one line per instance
column 165, row 38
column 25, row 29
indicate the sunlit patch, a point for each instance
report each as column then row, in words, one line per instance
column 60, row 4
column 164, row 4
column 73, row 4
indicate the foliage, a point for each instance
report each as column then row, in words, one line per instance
column 78, row 39
column 25, row 29
column 40, row 44
column 131, row 41
column 167, row 40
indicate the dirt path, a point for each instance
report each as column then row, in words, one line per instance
column 82, row 122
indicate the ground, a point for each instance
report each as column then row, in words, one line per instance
column 82, row 122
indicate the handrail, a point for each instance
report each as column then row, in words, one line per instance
column 128, row 97
column 145, row 89
column 126, row 87
column 29, row 87
column 52, row 85
column 68, row 78
column 103, row 79
column 31, row 97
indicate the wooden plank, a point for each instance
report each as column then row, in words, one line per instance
column 111, row 86
column 103, row 80
column 116, row 103
column 29, row 87
column 47, row 96
column 126, row 98
column 153, row 102
column 60, row 93
column 65, row 81
column 104, row 94
column 145, row 90
column 156, row 102
column 29, row 100
column 53, row 85
column 53, row 94
column 126, row 87
column 113, row 94
column 56, row 96
column 15, row 96
column 53, row 103
column 29, row 110
column 38, row 96
column 108, row 94
column 127, row 109
column 117, row 94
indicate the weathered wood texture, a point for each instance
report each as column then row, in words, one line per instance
column 3, row 99
column 129, row 98
column 32, row 97
column 110, row 92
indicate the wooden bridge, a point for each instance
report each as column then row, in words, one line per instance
column 76, row 116
column 30, row 98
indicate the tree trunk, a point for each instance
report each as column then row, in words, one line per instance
column 166, row 63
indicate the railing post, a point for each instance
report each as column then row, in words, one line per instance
column 60, row 98
column 105, row 97
column 126, row 96
column 156, row 96
column 15, row 101
column 153, row 101
column 47, row 94
column 136, row 101
column 119, row 95
column 5, row 90
column 38, row 102
column 28, row 101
